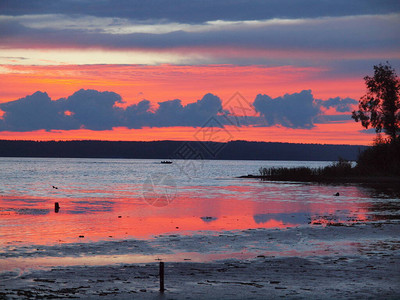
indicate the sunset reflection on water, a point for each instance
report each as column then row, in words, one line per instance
column 249, row 204
column 132, row 211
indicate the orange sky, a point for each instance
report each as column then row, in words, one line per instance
column 342, row 133
column 167, row 82
column 294, row 53
column 187, row 83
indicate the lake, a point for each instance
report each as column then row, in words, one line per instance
column 127, row 210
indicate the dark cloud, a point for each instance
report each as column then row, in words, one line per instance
column 357, row 68
column 345, row 37
column 200, row 11
column 34, row 112
column 173, row 113
column 138, row 115
column 96, row 110
column 193, row 114
column 91, row 109
column 378, row 34
column 340, row 104
column 301, row 110
column 292, row 110
column 84, row 109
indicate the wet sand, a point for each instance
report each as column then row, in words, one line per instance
column 342, row 277
column 318, row 262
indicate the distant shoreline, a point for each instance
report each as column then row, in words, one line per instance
column 173, row 150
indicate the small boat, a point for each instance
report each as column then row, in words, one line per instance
column 166, row 162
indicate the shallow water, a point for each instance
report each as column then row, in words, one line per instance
column 108, row 200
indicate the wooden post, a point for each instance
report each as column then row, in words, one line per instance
column 162, row 289
column 56, row 207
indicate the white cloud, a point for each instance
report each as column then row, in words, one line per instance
column 109, row 25
column 90, row 56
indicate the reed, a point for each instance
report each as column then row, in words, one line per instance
column 342, row 168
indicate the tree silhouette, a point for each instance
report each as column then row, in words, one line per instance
column 380, row 106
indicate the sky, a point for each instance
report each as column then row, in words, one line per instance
column 274, row 70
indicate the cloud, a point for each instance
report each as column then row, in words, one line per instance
column 340, row 104
column 138, row 115
column 363, row 33
column 84, row 109
column 200, row 11
column 94, row 110
column 325, row 119
column 173, row 113
column 276, row 32
column 301, row 110
column 292, row 110
column 34, row 112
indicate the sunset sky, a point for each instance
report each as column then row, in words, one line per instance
column 279, row 70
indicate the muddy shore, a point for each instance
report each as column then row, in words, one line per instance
column 336, row 262
column 343, row 277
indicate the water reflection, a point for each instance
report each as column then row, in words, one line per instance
column 237, row 205
column 286, row 218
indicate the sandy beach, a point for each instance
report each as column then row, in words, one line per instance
column 296, row 263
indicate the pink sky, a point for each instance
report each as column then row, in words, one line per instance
column 155, row 54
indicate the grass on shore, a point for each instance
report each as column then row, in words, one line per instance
column 383, row 159
column 338, row 169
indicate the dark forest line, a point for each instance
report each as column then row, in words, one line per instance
column 235, row 150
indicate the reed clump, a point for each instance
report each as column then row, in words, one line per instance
column 340, row 168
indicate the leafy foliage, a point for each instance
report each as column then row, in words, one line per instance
column 380, row 106
column 381, row 159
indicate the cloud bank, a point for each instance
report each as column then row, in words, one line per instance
column 277, row 32
column 200, row 11
column 95, row 110
column 323, row 34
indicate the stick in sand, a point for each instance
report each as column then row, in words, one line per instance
column 162, row 289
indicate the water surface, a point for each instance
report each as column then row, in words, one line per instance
column 111, row 200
